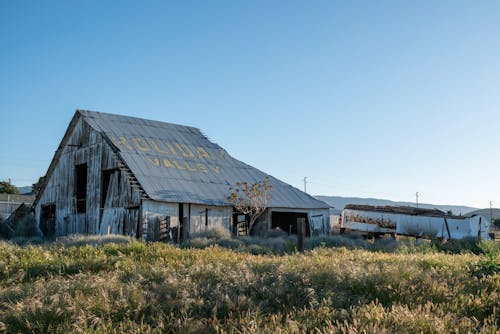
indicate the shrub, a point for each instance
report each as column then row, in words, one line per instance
column 217, row 232
column 255, row 249
column 388, row 245
column 490, row 247
column 422, row 246
column 350, row 242
column 231, row 243
column 4, row 230
column 490, row 260
column 27, row 228
column 279, row 245
column 93, row 240
column 457, row 246
column 35, row 240
column 199, row 243
column 276, row 233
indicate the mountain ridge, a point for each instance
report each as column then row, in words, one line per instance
column 339, row 202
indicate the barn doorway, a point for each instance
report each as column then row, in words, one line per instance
column 287, row 221
column 240, row 223
column 48, row 220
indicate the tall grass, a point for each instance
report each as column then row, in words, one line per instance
column 136, row 287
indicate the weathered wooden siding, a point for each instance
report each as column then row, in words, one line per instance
column 319, row 221
column 152, row 213
column 217, row 216
column 195, row 218
column 84, row 145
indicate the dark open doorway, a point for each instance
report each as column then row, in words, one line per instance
column 240, row 223
column 48, row 219
column 287, row 221
column 81, row 188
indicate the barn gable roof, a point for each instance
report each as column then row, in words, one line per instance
column 176, row 163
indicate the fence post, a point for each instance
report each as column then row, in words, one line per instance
column 301, row 231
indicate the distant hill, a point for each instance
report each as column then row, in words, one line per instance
column 486, row 213
column 339, row 202
column 25, row 190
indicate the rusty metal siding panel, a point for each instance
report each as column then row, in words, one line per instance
column 176, row 163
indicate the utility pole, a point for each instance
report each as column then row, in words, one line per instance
column 491, row 213
column 416, row 197
column 305, row 184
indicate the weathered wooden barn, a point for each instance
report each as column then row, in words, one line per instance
column 154, row 180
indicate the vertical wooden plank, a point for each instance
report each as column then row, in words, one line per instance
column 301, row 231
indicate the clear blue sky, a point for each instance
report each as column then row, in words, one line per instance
column 365, row 98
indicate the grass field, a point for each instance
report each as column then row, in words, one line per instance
column 134, row 287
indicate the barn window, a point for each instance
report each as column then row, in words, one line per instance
column 81, row 188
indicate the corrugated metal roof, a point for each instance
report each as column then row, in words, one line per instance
column 176, row 163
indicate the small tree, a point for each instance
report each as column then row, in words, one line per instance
column 8, row 188
column 251, row 199
column 36, row 187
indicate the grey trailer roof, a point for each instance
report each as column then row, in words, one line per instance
column 176, row 163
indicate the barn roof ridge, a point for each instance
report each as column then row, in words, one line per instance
column 178, row 163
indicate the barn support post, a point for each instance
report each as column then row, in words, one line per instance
column 301, row 232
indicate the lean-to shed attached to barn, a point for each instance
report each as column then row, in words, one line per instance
column 154, row 180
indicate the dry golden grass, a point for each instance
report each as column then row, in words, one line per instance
column 135, row 287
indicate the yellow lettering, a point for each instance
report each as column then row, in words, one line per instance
column 157, row 148
column 178, row 166
column 202, row 168
column 185, row 150
column 154, row 161
column 121, row 141
column 141, row 144
column 216, row 169
column 203, row 154
column 171, row 148
column 167, row 163
column 191, row 169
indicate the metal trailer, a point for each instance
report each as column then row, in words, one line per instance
column 409, row 221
